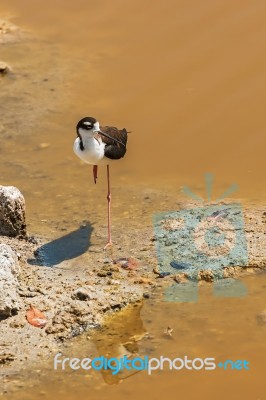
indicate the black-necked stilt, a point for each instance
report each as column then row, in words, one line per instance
column 100, row 145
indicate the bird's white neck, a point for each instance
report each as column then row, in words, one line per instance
column 96, row 127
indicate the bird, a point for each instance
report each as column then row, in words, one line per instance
column 100, row 145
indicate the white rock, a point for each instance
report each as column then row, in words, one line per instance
column 9, row 270
column 12, row 212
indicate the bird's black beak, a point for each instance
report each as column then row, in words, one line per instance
column 110, row 137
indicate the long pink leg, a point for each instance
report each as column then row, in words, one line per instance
column 109, row 209
column 95, row 170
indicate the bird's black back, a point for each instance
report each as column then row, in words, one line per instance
column 113, row 149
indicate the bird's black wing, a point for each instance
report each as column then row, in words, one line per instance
column 116, row 142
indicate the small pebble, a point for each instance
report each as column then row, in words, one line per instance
column 81, row 294
column 4, row 68
column 168, row 331
column 163, row 274
column 179, row 265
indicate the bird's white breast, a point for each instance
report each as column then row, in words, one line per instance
column 93, row 152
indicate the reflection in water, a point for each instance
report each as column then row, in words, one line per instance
column 120, row 338
column 64, row 248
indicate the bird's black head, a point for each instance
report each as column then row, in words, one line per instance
column 87, row 123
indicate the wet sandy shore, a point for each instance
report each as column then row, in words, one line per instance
column 78, row 293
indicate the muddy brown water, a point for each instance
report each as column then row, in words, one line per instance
column 188, row 79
